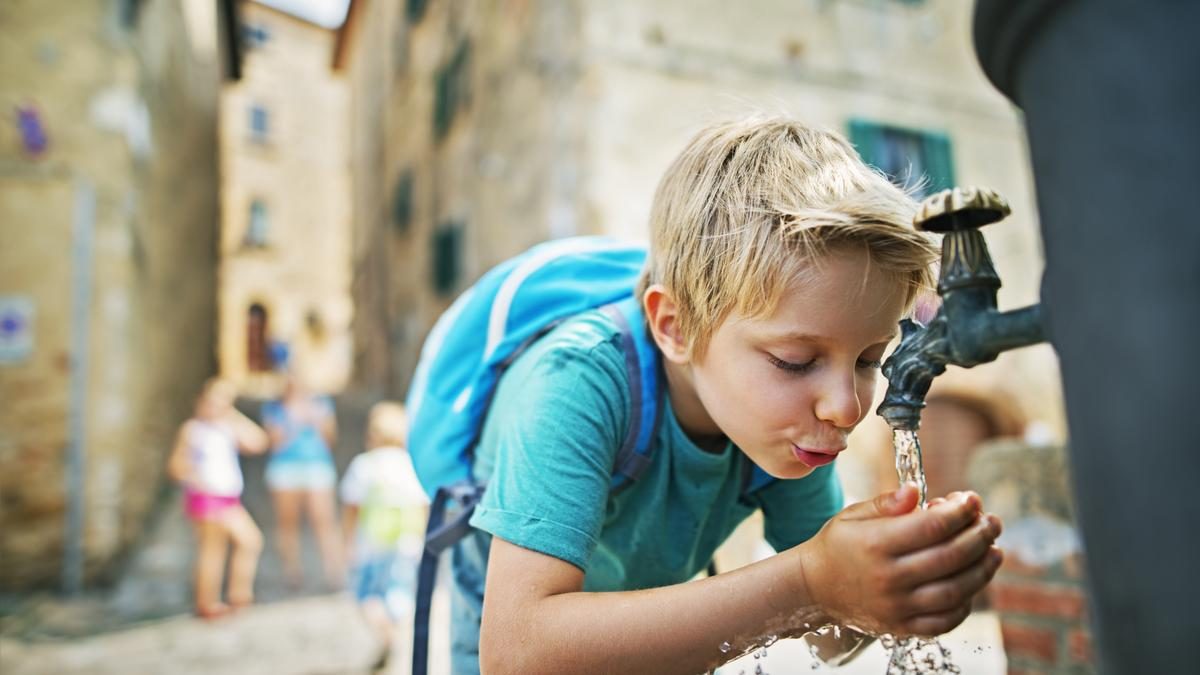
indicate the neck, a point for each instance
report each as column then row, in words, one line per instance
column 689, row 410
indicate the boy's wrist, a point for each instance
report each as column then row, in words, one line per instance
column 808, row 611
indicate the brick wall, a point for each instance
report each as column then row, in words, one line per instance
column 1043, row 617
column 1039, row 593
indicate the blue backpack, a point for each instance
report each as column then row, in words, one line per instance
column 478, row 337
column 495, row 320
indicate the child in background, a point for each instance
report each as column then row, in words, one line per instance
column 205, row 462
column 301, row 477
column 384, row 517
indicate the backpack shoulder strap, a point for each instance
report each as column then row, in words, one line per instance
column 645, row 395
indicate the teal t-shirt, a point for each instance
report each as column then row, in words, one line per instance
column 547, row 452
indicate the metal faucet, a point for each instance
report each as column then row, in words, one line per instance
column 967, row 329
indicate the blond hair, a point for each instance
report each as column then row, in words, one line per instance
column 387, row 424
column 750, row 204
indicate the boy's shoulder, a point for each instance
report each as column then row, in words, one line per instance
column 590, row 340
column 587, row 330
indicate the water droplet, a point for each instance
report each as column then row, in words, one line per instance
column 725, row 647
column 758, row 669
column 771, row 639
column 837, row 632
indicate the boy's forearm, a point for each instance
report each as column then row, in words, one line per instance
column 675, row 629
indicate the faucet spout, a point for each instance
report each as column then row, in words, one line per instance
column 967, row 329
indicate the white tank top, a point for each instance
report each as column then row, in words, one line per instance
column 214, row 456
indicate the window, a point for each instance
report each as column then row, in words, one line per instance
column 416, row 9
column 255, row 35
column 258, row 358
column 402, row 205
column 260, row 123
column 127, row 13
column 451, row 89
column 447, row 255
column 911, row 158
column 259, row 226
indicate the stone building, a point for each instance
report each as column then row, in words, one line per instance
column 108, row 206
column 481, row 128
column 284, row 280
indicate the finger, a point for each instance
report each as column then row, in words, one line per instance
column 949, row 592
column 934, row 525
column 930, row 625
column 965, row 549
column 949, row 497
column 893, row 503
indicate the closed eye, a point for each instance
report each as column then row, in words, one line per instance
column 791, row 367
column 870, row 365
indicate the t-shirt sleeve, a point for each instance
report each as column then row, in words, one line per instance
column 354, row 482
column 550, row 439
column 795, row 510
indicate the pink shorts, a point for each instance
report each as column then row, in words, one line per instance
column 203, row 506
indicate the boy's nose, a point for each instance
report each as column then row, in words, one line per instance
column 839, row 404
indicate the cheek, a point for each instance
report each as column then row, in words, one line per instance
column 747, row 405
column 866, row 393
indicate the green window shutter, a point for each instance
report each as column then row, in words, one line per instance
column 897, row 151
column 867, row 138
column 447, row 257
column 939, row 162
column 451, row 89
column 416, row 10
column 402, row 202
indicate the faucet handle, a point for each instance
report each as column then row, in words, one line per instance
column 961, row 208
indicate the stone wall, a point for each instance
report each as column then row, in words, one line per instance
column 297, row 170
column 126, row 100
column 1040, row 591
column 481, row 128
column 570, row 112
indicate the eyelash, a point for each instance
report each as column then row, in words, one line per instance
column 789, row 366
column 801, row 368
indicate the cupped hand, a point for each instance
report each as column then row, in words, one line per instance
column 885, row 566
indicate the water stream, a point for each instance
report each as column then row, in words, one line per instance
column 914, row 655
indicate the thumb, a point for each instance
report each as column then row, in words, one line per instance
column 892, row 503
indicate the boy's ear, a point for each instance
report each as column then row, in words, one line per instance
column 662, row 314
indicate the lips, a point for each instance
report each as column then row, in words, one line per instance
column 813, row 457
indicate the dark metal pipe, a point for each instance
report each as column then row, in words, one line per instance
column 1110, row 91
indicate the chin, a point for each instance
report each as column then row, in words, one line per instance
column 788, row 470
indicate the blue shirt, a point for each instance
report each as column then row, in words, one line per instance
column 304, row 441
column 547, row 452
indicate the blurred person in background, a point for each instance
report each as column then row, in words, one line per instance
column 301, row 476
column 205, row 462
column 383, row 517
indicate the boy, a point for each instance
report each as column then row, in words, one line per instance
column 383, row 517
column 779, row 268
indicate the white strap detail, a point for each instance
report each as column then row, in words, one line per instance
column 433, row 345
column 508, row 290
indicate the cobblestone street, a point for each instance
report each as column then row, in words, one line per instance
column 311, row 635
column 143, row 622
